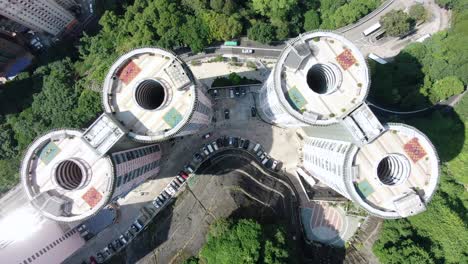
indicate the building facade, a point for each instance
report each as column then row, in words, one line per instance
column 318, row 79
column 38, row 15
column 155, row 96
column 390, row 170
column 69, row 175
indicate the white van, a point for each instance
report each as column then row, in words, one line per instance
column 256, row 147
column 215, row 145
column 210, row 148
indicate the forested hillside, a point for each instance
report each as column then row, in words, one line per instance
column 438, row 235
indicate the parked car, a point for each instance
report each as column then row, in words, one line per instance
column 183, row 174
column 156, row 204
column 100, row 257
column 135, row 228
column 128, row 235
column 253, row 111
column 236, row 142
column 226, row 113
column 175, row 185
column 274, row 164
column 220, row 142
column 260, row 153
column 265, row 160
column 205, row 151
column 210, row 148
column 242, row 89
column 138, row 223
column 170, row 190
column 215, row 145
column 215, row 92
column 256, row 148
column 246, row 144
column 117, row 244
column 207, row 135
column 123, row 239
column 189, row 168
column 269, row 163
column 247, row 51
column 197, row 157
column 111, row 248
column 237, row 91
column 225, row 141
column 180, row 179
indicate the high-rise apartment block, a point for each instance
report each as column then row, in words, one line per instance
column 39, row 15
column 320, row 83
column 69, row 175
column 155, row 96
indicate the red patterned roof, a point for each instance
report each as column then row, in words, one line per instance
column 346, row 59
column 92, row 197
column 129, row 72
column 414, row 150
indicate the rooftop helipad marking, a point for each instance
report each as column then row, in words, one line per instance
column 129, row 72
column 173, row 117
column 297, row 99
column 346, row 59
column 414, row 150
column 92, row 197
column 364, row 188
column 49, row 152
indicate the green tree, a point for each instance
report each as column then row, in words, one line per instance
column 217, row 5
column 9, row 174
column 275, row 250
column 229, row 7
column 396, row 23
column 418, row 13
column 8, row 144
column 195, row 34
column 234, row 243
column 311, row 20
column 352, row 11
column 221, row 26
column 261, row 32
column 446, row 87
column 58, row 98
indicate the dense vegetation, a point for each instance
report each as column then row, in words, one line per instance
column 245, row 241
column 232, row 79
column 425, row 73
column 439, row 234
column 63, row 89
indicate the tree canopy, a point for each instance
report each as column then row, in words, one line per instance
column 396, row 23
column 261, row 32
column 244, row 241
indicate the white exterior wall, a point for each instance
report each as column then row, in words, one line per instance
column 326, row 160
column 271, row 108
column 39, row 15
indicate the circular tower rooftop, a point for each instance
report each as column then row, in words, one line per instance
column 320, row 77
column 64, row 178
column 396, row 174
column 151, row 93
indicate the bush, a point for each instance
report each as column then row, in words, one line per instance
column 418, row 12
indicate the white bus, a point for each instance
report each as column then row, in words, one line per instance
column 377, row 58
column 371, row 29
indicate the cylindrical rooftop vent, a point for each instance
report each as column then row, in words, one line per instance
column 393, row 169
column 70, row 174
column 150, row 94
